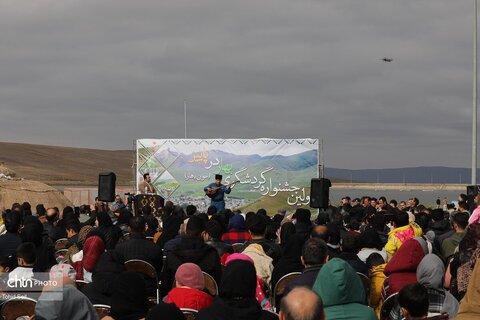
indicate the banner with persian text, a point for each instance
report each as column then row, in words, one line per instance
column 271, row 173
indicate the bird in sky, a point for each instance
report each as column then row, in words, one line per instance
column 387, row 59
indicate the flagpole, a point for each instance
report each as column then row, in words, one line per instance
column 185, row 112
column 474, row 111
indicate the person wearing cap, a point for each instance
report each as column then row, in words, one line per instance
column 216, row 191
column 189, row 283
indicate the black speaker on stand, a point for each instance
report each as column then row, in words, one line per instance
column 106, row 186
column 319, row 193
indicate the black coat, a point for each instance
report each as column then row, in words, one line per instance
column 111, row 235
column 190, row 249
column 290, row 261
column 354, row 261
column 235, row 310
column 138, row 247
column 104, row 275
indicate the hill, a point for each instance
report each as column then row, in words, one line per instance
column 80, row 166
column 64, row 165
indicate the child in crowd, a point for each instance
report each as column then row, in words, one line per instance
column 4, row 264
column 413, row 300
column 4, row 270
column 26, row 256
column 188, row 293
column 376, row 264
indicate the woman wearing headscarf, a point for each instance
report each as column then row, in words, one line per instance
column 93, row 248
column 129, row 299
column 260, row 292
column 464, row 260
column 170, row 224
column 162, row 309
column 470, row 304
column 237, row 231
column 401, row 269
column 290, row 261
column 286, row 231
column 111, row 233
column 76, row 247
column 430, row 273
column 236, row 300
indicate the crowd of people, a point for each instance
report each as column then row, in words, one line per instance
column 364, row 259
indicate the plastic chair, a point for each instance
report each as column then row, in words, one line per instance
column 210, row 284
column 80, row 284
column 190, row 314
column 18, row 307
column 443, row 316
column 387, row 306
column 366, row 285
column 280, row 286
column 61, row 244
column 60, row 253
column 102, row 310
column 148, row 270
column 237, row 247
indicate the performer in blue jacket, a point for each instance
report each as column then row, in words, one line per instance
column 216, row 191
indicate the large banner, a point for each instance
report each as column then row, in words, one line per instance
column 272, row 173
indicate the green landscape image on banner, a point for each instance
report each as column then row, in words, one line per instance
column 269, row 173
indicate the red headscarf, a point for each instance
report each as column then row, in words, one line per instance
column 92, row 250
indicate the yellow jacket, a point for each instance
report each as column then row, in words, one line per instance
column 377, row 277
column 398, row 236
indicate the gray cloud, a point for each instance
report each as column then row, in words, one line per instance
column 102, row 73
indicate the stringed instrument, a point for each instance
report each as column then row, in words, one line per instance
column 212, row 191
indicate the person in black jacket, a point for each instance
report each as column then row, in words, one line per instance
column 349, row 254
column 191, row 248
column 33, row 232
column 111, row 233
column 104, row 276
column 212, row 236
column 11, row 240
column 138, row 247
column 236, row 299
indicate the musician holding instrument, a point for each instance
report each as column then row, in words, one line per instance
column 216, row 191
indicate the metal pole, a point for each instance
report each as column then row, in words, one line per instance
column 185, row 112
column 474, row 117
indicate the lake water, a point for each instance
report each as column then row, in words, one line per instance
column 426, row 197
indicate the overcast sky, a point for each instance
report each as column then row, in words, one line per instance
column 102, row 73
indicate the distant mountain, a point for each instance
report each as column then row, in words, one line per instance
column 295, row 162
column 403, row 175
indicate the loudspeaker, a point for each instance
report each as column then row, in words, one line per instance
column 319, row 193
column 106, row 186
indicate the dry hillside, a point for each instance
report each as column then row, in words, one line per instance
column 66, row 166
